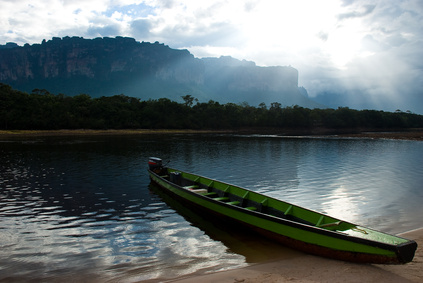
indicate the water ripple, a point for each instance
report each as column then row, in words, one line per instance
column 83, row 207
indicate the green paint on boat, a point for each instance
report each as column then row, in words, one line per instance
column 292, row 225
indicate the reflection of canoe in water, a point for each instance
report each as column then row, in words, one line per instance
column 291, row 225
column 237, row 239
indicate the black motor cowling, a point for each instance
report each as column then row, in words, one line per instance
column 154, row 163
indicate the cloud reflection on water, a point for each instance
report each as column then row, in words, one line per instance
column 79, row 208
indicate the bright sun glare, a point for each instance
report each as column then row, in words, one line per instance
column 299, row 27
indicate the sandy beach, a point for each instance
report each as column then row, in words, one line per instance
column 301, row 267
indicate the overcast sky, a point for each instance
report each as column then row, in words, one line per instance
column 361, row 54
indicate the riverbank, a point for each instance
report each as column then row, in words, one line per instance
column 89, row 132
column 410, row 134
column 301, row 267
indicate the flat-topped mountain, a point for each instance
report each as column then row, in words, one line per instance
column 110, row 66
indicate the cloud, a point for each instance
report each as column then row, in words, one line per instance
column 140, row 28
column 166, row 4
column 384, row 71
column 363, row 53
column 103, row 31
column 323, row 35
column 361, row 12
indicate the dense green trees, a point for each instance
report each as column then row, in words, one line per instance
column 44, row 111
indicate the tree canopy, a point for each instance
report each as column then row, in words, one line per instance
column 41, row 110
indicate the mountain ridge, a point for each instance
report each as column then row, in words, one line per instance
column 121, row 65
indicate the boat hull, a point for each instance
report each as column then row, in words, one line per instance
column 301, row 236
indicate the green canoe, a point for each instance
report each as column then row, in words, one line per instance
column 292, row 225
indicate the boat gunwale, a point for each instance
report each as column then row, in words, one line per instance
column 287, row 222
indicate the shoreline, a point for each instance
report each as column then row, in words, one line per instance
column 408, row 134
column 89, row 132
column 302, row 267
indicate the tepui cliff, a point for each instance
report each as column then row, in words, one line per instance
column 110, row 66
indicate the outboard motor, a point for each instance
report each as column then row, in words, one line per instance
column 154, row 163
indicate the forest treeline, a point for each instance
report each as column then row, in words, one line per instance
column 41, row 110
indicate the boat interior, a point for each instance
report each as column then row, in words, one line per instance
column 235, row 196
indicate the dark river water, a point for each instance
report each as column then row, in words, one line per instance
column 82, row 208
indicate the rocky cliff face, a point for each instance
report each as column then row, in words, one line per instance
column 109, row 66
column 98, row 58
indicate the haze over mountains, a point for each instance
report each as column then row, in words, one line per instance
column 111, row 66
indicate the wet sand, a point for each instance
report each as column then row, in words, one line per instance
column 301, row 267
